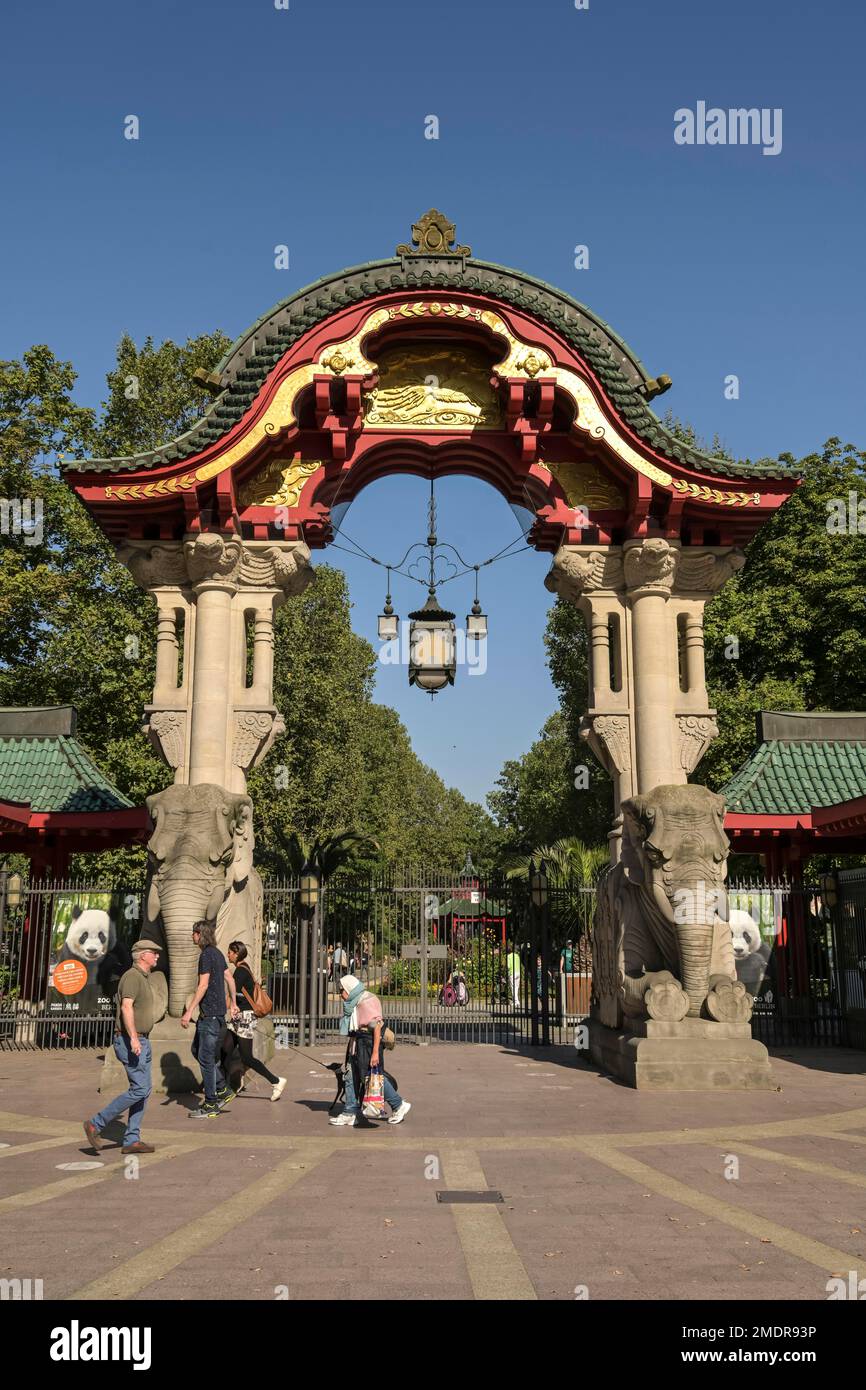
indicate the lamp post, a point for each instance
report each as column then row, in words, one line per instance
column 310, row 893
column 538, row 893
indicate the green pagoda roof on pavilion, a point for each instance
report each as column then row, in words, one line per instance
column 43, row 765
column 255, row 353
column 805, row 761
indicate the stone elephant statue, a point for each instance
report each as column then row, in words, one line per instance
column 662, row 945
column 200, row 866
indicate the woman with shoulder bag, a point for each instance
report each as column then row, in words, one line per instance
column 239, row 1031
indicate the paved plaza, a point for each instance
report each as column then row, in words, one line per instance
column 607, row 1193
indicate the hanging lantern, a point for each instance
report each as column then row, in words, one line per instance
column 389, row 622
column 432, row 646
column 476, row 622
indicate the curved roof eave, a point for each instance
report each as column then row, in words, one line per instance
column 253, row 355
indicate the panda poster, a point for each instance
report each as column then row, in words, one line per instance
column 88, row 953
column 756, row 920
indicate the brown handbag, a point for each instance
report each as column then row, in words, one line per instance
column 261, row 1003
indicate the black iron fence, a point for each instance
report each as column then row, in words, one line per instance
column 452, row 958
column 849, row 911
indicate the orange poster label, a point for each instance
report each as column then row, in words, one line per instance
column 70, row 976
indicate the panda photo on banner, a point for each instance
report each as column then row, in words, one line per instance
column 755, row 927
column 88, row 956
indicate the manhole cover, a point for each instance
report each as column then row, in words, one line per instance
column 491, row 1196
column 79, row 1167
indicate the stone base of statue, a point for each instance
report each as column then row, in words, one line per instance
column 174, row 1070
column 695, row 1054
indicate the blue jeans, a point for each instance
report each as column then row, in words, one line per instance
column 206, row 1050
column 133, row 1100
column 352, row 1107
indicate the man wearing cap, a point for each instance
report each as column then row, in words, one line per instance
column 136, row 1008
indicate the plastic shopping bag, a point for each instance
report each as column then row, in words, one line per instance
column 374, row 1094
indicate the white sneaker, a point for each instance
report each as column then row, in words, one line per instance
column 343, row 1119
column 399, row 1115
column 280, row 1086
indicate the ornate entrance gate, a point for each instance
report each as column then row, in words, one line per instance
column 432, row 363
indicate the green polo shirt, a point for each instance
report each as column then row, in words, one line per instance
column 135, row 985
column 512, row 960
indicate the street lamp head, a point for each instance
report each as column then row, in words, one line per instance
column 310, row 886
column 538, row 883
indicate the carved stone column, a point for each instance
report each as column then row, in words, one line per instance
column 649, row 568
column 210, row 725
column 647, row 718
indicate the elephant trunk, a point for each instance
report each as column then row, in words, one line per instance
column 695, row 943
column 183, row 900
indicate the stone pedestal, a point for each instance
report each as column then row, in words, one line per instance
column 174, row 1070
column 694, row 1055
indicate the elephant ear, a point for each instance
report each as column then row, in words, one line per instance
column 221, row 848
column 244, row 842
column 719, row 807
column 638, row 821
column 157, row 845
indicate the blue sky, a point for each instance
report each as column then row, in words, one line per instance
column 261, row 126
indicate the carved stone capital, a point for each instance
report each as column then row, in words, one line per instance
column 255, row 732
column 155, row 566
column 650, row 567
column 707, row 573
column 576, row 572
column 697, row 732
column 286, row 567
column 212, row 559
column 166, row 729
column 608, row 737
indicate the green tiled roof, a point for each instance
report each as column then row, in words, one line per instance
column 257, row 351
column 55, row 774
column 788, row 778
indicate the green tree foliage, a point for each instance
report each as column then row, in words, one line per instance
column 152, row 397
column 797, row 611
column 535, row 801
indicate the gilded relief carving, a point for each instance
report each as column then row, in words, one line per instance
column 279, row 484
column 585, row 485
column 434, row 387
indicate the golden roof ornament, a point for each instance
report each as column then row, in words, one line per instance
column 433, row 235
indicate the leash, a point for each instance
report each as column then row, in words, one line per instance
column 328, row 1066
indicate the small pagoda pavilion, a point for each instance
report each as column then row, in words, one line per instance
column 802, row 792
column 54, row 801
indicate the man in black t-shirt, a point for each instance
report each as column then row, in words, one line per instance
column 210, row 996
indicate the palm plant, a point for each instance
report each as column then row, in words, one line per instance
column 326, row 854
column 571, row 864
column 569, row 860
